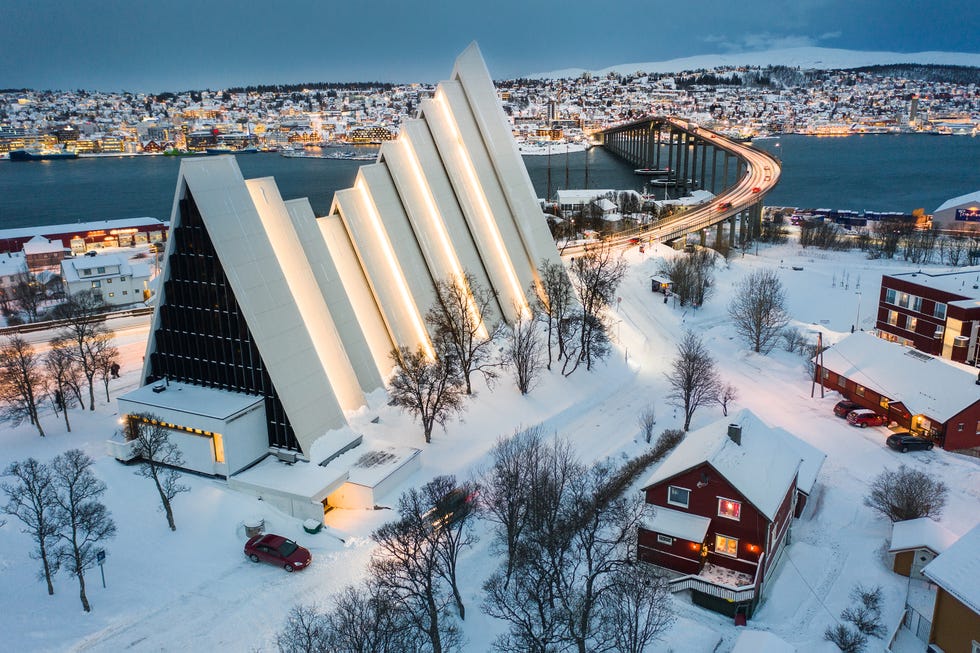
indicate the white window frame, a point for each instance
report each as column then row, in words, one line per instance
column 893, row 318
column 917, row 304
column 939, row 310
column 670, row 501
column 665, row 539
column 725, row 553
column 738, row 503
column 890, row 295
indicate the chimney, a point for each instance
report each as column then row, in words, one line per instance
column 735, row 433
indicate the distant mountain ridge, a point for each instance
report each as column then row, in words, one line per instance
column 806, row 58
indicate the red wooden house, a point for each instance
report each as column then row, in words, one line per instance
column 720, row 506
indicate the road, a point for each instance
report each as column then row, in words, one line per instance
column 762, row 173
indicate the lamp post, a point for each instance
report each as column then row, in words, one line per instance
column 857, row 322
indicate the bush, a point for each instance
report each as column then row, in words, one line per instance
column 846, row 639
column 906, row 494
column 669, row 439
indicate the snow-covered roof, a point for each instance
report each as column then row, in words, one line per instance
column 193, row 399
column 605, row 204
column 965, row 282
column 920, row 533
column 82, row 227
column 41, row 245
column 957, row 569
column 761, row 641
column 969, row 198
column 581, row 196
column 675, row 523
column 761, row 468
column 925, row 384
column 302, row 479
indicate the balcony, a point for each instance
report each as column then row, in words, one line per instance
column 722, row 582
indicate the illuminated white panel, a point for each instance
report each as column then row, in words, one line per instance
column 259, row 281
column 334, row 293
column 423, row 150
column 380, row 189
column 476, row 209
column 377, row 258
column 358, row 290
column 471, row 72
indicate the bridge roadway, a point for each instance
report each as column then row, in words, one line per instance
column 762, row 173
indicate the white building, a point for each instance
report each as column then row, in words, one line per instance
column 960, row 213
column 297, row 314
column 110, row 275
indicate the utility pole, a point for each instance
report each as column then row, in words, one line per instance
column 818, row 366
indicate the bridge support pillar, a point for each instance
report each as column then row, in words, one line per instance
column 731, row 231
column 719, row 234
column 756, row 220
column 703, row 235
column 714, row 167
column 743, row 228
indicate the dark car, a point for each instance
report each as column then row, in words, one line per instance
column 844, row 407
column 278, row 550
column 907, row 442
column 864, row 418
column 452, row 507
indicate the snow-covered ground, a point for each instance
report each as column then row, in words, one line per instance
column 194, row 590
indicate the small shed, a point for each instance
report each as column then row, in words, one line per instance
column 915, row 543
column 660, row 284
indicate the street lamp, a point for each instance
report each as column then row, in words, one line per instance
column 857, row 322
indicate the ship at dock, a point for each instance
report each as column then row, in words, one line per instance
column 41, row 155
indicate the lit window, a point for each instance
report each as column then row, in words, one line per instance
column 729, row 508
column 665, row 539
column 219, row 448
column 890, row 295
column 96, row 284
column 678, row 496
column 859, row 390
column 112, row 294
column 883, row 402
column 892, row 318
column 826, row 373
column 903, row 300
column 940, row 311
column 108, row 280
column 727, row 546
column 959, row 427
column 911, row 323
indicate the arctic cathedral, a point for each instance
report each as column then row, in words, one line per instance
column 273, row 323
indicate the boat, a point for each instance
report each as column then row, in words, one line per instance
column 212, row 151
column 652, row 172
column 41, row 155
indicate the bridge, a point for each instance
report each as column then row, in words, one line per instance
column 688, row 156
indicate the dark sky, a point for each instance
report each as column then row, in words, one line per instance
column 157, row 45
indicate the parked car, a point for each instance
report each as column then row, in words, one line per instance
column 864, row 418
column 92, row 252
column 453, row 506
column 905, row 442
column 278, row 550
column 844, row 407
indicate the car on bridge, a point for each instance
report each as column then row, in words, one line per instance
column 724, row 206
column 756, row 189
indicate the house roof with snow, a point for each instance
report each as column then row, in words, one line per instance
column 761, row 468
column 760, row 641
column 918, row 534
column 969, row 198
column 111, row 265
column 957, row 569
column 965, row 282
column 925, row 384
column 581, row 196
column 41, row 245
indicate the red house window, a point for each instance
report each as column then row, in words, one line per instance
column 726, row 545
column 730, row 509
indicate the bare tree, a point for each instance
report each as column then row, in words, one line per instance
column 430, row 389
column 368, row 619
column 451, row 507
column 758, row 309
column 691, row 275
column 726, row 393
column 505, row 493
column 693, row 379
column 65, row 376
column 636, row 608
column 407, row 564
column 463, row 321
column 84, row 521
column 306, row 631
column 596, row 276
column 23, row 384
column 846, row 639
column 523, row 353
column 160, row 457
column 906, row 493
column 31, row 499
column 104, row 356
column 28, row 295
column 555, row 305
column 647, row 418
column 87, row 332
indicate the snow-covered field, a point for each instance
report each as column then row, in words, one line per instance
column 194, row 590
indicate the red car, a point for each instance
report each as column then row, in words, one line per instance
column 279, row 551
column 864, row 418
column 756, row 189
column 724, row 206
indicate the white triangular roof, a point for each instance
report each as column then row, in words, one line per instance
column 969, row 198
column 926, row 385
column 761, row 468
column 920, row 533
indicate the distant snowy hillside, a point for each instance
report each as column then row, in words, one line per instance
column 822, row 58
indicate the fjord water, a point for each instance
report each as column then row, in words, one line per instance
column 877, row 172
